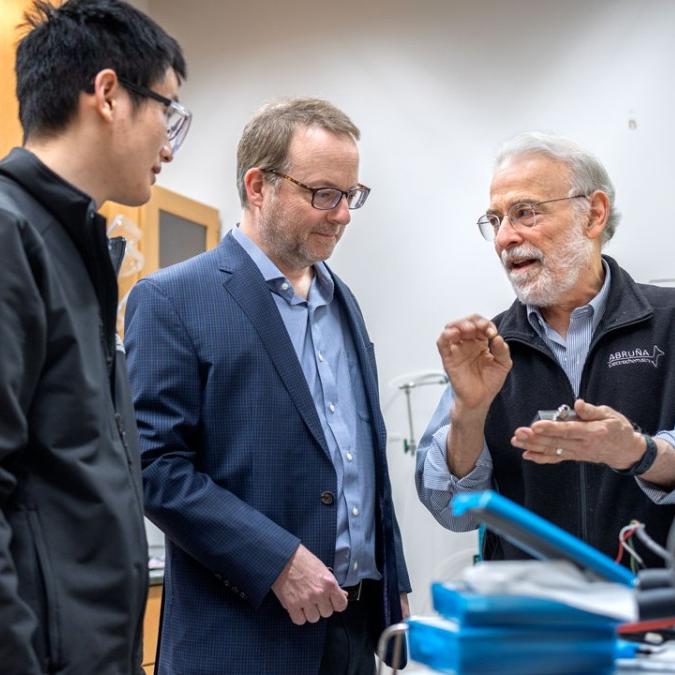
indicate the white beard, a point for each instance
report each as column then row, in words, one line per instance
column 556, row 275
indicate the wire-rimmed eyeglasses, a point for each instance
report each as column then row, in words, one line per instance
column 178, row 117
column 327, row 198
column 520, row 214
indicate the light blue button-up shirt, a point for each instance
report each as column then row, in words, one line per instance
column 436, row 485
column 323, row 343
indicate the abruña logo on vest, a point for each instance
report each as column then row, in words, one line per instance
column 635, row 355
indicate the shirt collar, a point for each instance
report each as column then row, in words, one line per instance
column 321, row 284
column 596, row 306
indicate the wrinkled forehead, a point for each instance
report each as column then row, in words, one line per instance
column 529, row 176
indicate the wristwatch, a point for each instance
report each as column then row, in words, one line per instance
column 644, row 463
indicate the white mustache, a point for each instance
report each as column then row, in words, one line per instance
column 520, row 252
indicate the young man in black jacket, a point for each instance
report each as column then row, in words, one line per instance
column 582, row 333
column 97, row 83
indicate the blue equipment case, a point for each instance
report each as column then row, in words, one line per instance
column 450, row 648
column 538, row 537
column 469, row 608
column 519, row 635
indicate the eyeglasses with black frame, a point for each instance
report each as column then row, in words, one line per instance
column 520, row 215
column 178, row 118
column 327, row 198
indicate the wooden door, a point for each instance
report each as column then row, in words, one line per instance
column 11, row 15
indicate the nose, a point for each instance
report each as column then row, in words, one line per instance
column 507, row 235
column 340, row 214
column 166, row 153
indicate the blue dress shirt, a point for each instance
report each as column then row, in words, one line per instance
column 323, row 343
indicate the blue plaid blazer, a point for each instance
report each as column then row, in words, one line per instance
column 235, row 463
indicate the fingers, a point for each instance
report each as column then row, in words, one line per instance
column 325, row 606
column 500, row 350
column 297, row 615
column 471, row 338
column 312, row 613
column 600, row 435
column 307, row 589
column 338, row 599
column 589, row 412
column 470, row 328
column 549, row 456
column 542, row 450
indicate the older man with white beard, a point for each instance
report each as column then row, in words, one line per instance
column 582, row 333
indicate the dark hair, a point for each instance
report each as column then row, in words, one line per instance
column 267, row 137
column 66, row 47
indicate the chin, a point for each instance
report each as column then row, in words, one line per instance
column 321, row 254
column 541, row 292
column 134, row 198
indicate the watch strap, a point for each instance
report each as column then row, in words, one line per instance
column 644, row 463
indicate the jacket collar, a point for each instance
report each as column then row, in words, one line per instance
column 76, row 212
column 66, row 202
column 626, row 304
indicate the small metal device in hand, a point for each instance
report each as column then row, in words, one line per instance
column 563, row 414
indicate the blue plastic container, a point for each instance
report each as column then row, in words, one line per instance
column 474, row 609
column 461, row 650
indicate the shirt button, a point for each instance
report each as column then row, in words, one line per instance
column 320, row 357
column 355, row 566
column 350, row 457
column 331, row 407
column 284, row 286
column 355, row 511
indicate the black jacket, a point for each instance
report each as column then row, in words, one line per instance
column 73, row 554
column 629, row 367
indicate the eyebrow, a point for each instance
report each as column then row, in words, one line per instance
column 328, row 184
column 522, row 200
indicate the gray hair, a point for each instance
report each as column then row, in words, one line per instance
column 266, row 138
column 588, row 173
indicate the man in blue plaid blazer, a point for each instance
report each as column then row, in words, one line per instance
column 263, row 444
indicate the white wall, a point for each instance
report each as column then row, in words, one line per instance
column 434, row 86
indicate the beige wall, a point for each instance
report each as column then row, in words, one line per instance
column 435, row 85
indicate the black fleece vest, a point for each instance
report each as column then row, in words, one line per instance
column 629, row 367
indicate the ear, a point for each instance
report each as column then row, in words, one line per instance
column 254, row 180
column 107, row 90
column 599, row 203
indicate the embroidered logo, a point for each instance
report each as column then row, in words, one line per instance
column 636, row 355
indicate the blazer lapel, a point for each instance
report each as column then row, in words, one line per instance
column 246, row 285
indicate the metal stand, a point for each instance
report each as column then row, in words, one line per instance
column 397, row 632
column 410, row 444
